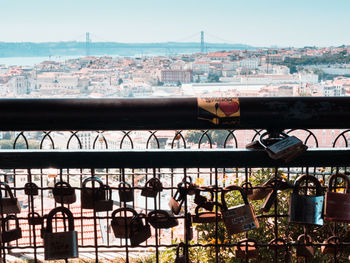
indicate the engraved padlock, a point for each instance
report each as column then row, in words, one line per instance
column 63, row 193
column 90, row 195
column 337, row 204
column 204, row 201
column 304, row 246
column 177, row 200
column 188, row 227
column 306, row 209
column 207, row 216
column 107, row 203
column 332, row 246
column 34, row 218
column 239, row 218
column 60, row 245
column 152, row 187
column 247, row 249
column 126, row 192
column 8, row 234
column 161, row 219
column 181, row 257
column 31, row 189
column 8, row 204
column 121, row 221
column 140, row 231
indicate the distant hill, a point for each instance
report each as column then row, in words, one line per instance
column 45, row 49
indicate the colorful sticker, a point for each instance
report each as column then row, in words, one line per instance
column 219, row 110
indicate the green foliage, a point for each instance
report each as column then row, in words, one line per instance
column 216, row 137
column 8, row 144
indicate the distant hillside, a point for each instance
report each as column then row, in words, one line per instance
column 30, row 49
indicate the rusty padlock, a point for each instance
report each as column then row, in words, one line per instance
column 8, row 204
column 90, row 195
column 177, row 200
column 152, row 187
column 207, row 216
column 204, row 201
column 337, row 204
column 280, row 245
column 248, row 188
column 188, row 185
column 332, row 246
column 126, row 192
column 9, row 235
column 63, row 193
column 60, row 245
column 107, row 203
column 306, row 209
column 285, row 147
column 34, row 218
column 31, row 189
column 188, row 227
column 304, row 246
column 139, row 232
column 260, row 191
column 239, row 218
column 247, row 249
column 121, row 221
column 161, row 219
column 181, row 258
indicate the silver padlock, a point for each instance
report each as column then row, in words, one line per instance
column 60, row 245
column 9, row 204
column 9, row 235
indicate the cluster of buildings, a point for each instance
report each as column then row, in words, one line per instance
column 237, row 72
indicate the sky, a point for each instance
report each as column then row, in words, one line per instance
column 261, row 23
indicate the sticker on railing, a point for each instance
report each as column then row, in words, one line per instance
column 220, row 111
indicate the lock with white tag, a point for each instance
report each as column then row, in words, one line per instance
column 64, row 193
column 139, row 232
column 60, row 245
column 91, row 195
column 239, row 218
column 8, row 204
column 9, row 235
column 126, row 192
column 152, row 187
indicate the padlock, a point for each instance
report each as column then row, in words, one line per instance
column 280, row 245
column 240, row 218
column 188, row 227
column 126, row 192
column 107, row 203
column 139, row 232
column 181, row 258
column 64, row 193
column 207, row 216
column 247, row 249
column 286, row 147
column 152, row 187
column 31, row 189
column 305, row 209
column 34, row 219
column 337, row 204
column 332, row 246
column 269, row 201
column 60, row 245
column 161, row 219
column 202, row 200
column 8, row 204
column 90, row 195
column 121, row 224
column 177, row 200
column 9, row 235
column 261, row 191
column 248, row 188
column 188, row 185
column 304, row 246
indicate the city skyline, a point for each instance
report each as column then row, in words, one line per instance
column 260, row 24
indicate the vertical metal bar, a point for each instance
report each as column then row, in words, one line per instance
column 216, row 217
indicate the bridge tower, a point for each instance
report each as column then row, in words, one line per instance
column 87, row 44
column 202, row 41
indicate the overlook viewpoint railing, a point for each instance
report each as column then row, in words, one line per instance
column 133, row 140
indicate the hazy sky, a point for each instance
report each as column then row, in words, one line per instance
column 255, row 22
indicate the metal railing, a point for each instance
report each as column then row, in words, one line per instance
column 129, row 146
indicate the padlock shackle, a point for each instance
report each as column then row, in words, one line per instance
column 7, row 189
column 201, row 206
column 306, row 239
column 123, row 209
column 30, row 185
column 205, row 189
column 246, row 242
column 56, row 210
column 33, row 215
column 268, row 133
column 155, row 184
column 233, row 188
column 333, row 240
column 8, row 218
column 62, row 184
column 180, row 245
column 332, row 183
column 311, row 178
column 124, row 184
column 92, row 179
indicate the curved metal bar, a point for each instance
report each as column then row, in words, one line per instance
column 126, row 135
column 150, row 137
column 74, row 135
column 21, row 134
column 47, row 135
